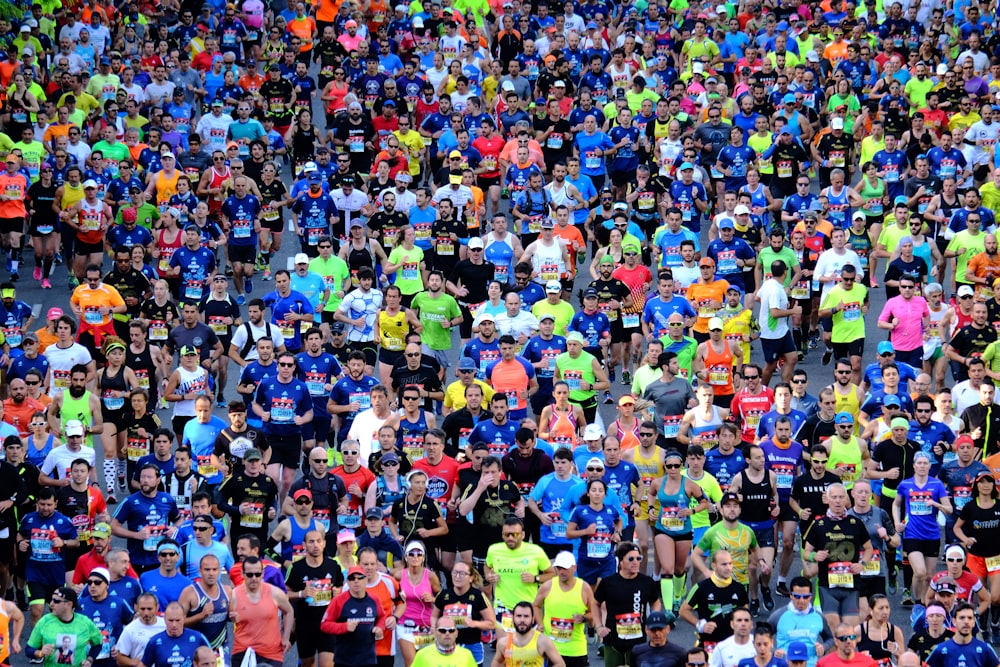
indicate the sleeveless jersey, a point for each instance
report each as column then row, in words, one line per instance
column 91, row 218
column 756, row 499
column 214, row 626
column 392, row 330
column 166, row 187
column 563, row 428
column 670, row 503
column 560, row 607
column 650, row 467
column 523, row 656
column 720, row 369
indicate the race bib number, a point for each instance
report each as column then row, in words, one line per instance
column 254, row 518
column 920, row 503
column 873, row 567
column 41, row 542
column 629, row 626
column 839, row 575
column 574, row 380
column 672, row 425
column 158, row 330
column 599, row 546
column 669, row 519
column 561, row 629
column 156, row 534
column 282, row 410
column 630, row 320
column 205, row 467
column 136, row 448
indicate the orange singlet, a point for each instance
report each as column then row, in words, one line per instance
column 562, row 428
column 628, row 438
column 720, row 369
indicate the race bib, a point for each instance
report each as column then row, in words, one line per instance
column 839, row 575
column 254, row 518
column 629, row 626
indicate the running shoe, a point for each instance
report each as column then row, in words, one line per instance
column 37, row 274
column 248, row 286
column 765, row 596
column 240, row 300
column 907, row 598
column 267, row 275
column 46, row 284
column 611, row 375
column 626, row 378
column 607, row 398
column 754, row 607
column 782, row 589
column 827, row 357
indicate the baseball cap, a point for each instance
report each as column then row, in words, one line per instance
column 726, row 223
column 54, row 313
column 715, row 323
column 455, row 179
column 415, row 545
column 74, row 427
column 685, row 166
column 553, row 287
column 354, row 569
column 843, row 418
column 302, row 493
column 595, row 462
column 89, row 183
column 566, row 560
column 188, row 350
column 547, row 316
column 796, row 652
column 706, row 261
column 592, row 432
column 315, row 177
column 590, row 293
column 467, row 364
column 338, row 328
column 789, row 98
column 486, row 317
column 374, row 512
column 946, row 585
column 812, row 57
column 575, row 337
column 548, row 223
column 885, row 347
column 475, row 242
column 741, row 210
column 101, row 530
column 659, row 620
column 837, row 124
column 301, row 258
column 729, row 497
column 346, row 536
column 966, row 290
column 891, row 400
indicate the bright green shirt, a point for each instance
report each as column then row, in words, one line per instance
column 408, row 278
column 767, row 257
column 509, row 564
column 738, row 542
column 710, row 487
column 432, row 313
column 849, row 322
column 80, row 633
column 32, row 155
column 334, row 272
column 917, row 91
column 146, row 215
column 970, row 246
column 562, row 311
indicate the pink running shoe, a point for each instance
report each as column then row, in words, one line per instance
column 37, row 273
column 46, row 284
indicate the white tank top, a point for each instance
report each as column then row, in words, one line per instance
column 935, row 321
column 548, row 261
column 196, row 381
column 560, row 197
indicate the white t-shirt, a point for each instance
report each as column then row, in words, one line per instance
column 772, row 295
column 364, row 429
column 266, row 329
column 61, row 362
column 831, row 263
column 58, row 462
column 728, row 653
column 137, row 634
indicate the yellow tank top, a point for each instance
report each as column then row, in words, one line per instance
column 849, row 404
column 166, row 187
column 845, row 454
column 560, row 607
column 392, row 330
column 649, row 467
column 523, row 656
column 71, row 195
column 760, row 144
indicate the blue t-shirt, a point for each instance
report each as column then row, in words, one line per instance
column 281, row 306
column 121, row 236
column 317, row 372
column 196, row 266
column 765, row 429
column 163, row 649
column 498, row 437
column 724, row 467
column 976, row 653
column 166, row 589
column 598, row 548
column 484, row 354
column 551, row 495
column 620, row 479
column 137, row 512
column 110, row 615
column 593, row 326
column 725, row 255
column 201, row 439
column 593, row 164
column 873, row 406
column 192, row 553
column 347, row 391
column 537, row 349
column 921, row 517
column 656, row 313
column 284, row 402
column 46, row 564
column 873, row 376
column 242, row 215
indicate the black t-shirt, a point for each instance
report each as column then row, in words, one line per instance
column 474, row 277
column 970, row 341
column 424, row 377
column 232, row 446
column 899, row 267
column 200, row 336
column 457, row 426
column 492, row 508
column 808, row 493
column 622, row 597
column 889, row 455
column 668, row 655
column 843, row 539
column 325, row 577
column 410, row 517
column 815, row 431
column 469, row 605
column 981, row 523
column 326, row 492
column 922, row 643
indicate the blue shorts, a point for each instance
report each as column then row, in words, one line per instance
column 590, row 570
column 698, row 533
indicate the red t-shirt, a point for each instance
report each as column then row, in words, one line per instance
column 441, row 479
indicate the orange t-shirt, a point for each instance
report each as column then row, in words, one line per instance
column 304, row 29
column 982, row 265
column 706, row 300
column 14, row 186
column 45, row 339
column 90, row 300
column 510, row 378
column 574, row 242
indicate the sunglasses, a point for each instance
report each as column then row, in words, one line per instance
column 303, row 501
column 414, row 553
column 95, row 582
column 447, row 631
column 202, row 529
column 353, row 452
column 847, row 638
column 823, row 461
column 593, row 469
column 801, row 596
column 253, row 575
column 391, row 464
column 413, row 355
column 286, row 365
column 672, row 466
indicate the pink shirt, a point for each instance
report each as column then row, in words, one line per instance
column 909, row 332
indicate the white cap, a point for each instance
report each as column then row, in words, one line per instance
column 309, row 166
column 507, row 85
column 593, row 432
column 965, row 290
column 595, row 461
column 837, row 123
column 812, row 57
column 418, row 22
column 942, row 69
column 858, row 215
column 564, row 560
column 475, row 242
column 301, row 258
column 697, row 68
column 553, row 287
column 74, row 427
column 741, row 210
column 89, row 183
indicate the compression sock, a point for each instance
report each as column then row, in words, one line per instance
column 121, row 468
column 47, row 267
column 679, row 586
column 666, row 589
column 109, row 473
column 15, row 258
column 797, row 335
